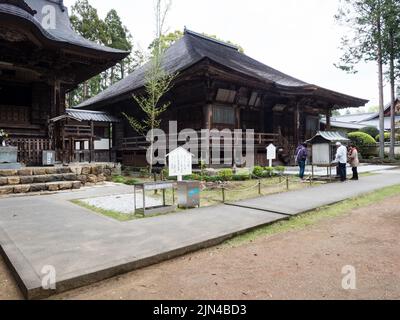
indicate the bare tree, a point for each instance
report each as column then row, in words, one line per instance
column 158, row 83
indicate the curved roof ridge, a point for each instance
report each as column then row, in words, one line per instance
column 194, row 47
column 62, row 33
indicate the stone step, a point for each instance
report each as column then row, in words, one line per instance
column 16, row 180
column 40, row 187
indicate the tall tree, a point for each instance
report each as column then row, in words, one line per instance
column 85, row 21
column 365, row 18
column 117, row 36
column 109, row 32
column 158, row 83
column 392, row 57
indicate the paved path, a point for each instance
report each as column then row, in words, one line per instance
column 85, row 247
column 300, row 201
column 321, row 172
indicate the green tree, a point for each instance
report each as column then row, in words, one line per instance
column 117, row 36
column 86, row 21
column 158, row 83
column 109, row 32
column 366, row 19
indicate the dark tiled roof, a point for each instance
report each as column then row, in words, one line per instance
column 63, row 33
column 193, row 48
column 86, row 115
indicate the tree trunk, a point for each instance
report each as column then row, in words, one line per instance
column 393, row 100
column 381, row 94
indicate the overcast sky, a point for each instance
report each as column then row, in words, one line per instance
column 298, row 37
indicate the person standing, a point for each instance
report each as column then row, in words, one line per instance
column 354, row 160
column 341, row 159
column 301, row 158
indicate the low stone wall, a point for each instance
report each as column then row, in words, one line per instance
column 95, row 173
column 37, row 179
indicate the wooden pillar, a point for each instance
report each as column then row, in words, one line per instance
column 238, row 117
column 297, row 123
column 91, row 142
column 207, row 116
column 110, row 141
column 328, row 119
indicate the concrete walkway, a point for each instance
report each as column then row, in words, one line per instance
column 322, row 172
column 85, row 247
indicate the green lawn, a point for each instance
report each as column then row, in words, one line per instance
column 310, row 218
column 108, row 213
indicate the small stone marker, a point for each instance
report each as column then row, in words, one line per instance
column 180, row 163
column 271, row 154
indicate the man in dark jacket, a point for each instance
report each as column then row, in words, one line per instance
column 301, row 158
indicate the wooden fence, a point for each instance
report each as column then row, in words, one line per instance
column 30, row 149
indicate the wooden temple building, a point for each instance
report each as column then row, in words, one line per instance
column 42, row 58
column 217, row 87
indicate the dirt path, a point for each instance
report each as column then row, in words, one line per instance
column 303, row 264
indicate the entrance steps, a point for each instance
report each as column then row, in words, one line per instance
column 38, row 180
column 51, row 179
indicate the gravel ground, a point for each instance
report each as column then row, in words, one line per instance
column 122, row 203
column 303, row 264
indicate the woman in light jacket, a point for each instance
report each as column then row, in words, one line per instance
column 354, row 160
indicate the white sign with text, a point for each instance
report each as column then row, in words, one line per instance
column 271, row 154
column 180, row 163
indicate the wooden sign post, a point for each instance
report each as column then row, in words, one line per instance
column 271, row 154
column 180, row 163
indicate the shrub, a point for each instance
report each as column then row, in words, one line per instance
column 268, row 172
column 258, row 172
column 195, row 177
column 226, row 175
column 372, row 131
column 241, row 177
column 118, row 179
column 165, row 173
column 387, row 137
column 144, row 173
column 364, row 142
column 212, row 179
column 131, row 182
column 280, row 170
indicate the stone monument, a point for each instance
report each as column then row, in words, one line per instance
column 8, row 158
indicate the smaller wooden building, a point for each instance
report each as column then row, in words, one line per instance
column 83, row 136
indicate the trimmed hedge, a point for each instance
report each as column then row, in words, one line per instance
column 388, row 137
column 372, row 131
column 364, row 142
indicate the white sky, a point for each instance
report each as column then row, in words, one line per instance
column 298, row 37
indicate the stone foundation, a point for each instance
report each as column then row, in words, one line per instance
column 55, row 178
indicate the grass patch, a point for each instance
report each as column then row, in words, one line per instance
column 313, row 217
column 108, row 213
column 124, row 180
